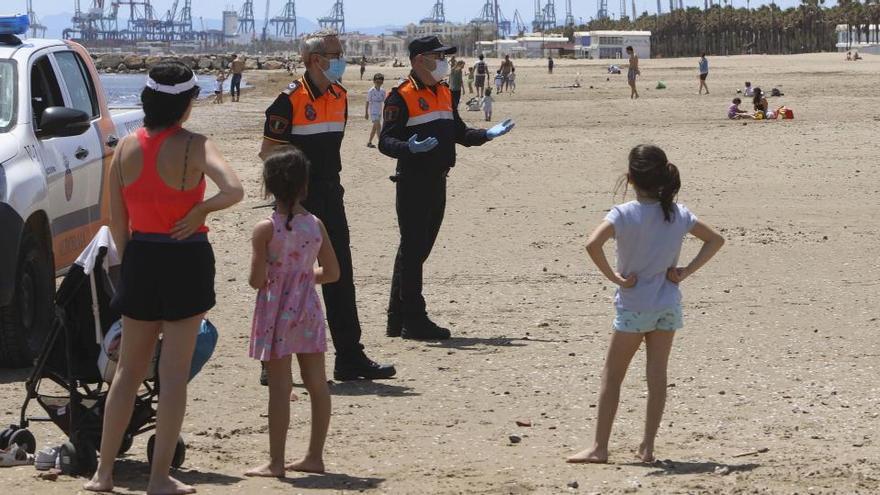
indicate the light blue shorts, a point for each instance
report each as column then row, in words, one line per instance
column 669, row 319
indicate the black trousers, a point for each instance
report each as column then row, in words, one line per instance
column 421, row 203
column 235, row 85
column 456, row 98
column 325, row 201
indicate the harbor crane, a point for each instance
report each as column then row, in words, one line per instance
column 437, row 15
column 285, row 22
column 335, row 20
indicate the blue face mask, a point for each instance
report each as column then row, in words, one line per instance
column 336, row 69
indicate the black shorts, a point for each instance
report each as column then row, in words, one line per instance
column 165, row 280
column 703, row 76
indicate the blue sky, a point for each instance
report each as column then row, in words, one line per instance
column 368, row 13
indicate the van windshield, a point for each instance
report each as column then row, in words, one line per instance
column 7, row 95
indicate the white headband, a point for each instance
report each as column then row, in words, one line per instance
column 174, row 89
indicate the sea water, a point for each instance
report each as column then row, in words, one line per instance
column 125, row 89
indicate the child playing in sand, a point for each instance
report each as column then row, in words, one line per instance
column 218, row 86
column 288, row 318
column 759, row 101
column 373, row 112
column 487, row 104
column 748, row 91
column 649, row 234
column 734, row 112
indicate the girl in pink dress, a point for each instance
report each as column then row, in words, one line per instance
column 288, row 318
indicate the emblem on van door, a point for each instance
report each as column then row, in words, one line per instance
column 68, row 178
column 311, row 114
column 423, row 104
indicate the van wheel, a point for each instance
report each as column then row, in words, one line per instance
column 25, row 322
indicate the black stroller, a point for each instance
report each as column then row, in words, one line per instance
column 69, row 360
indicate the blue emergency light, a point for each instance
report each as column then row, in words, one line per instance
column 14, row 24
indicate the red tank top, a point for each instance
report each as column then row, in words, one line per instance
column 153, row 206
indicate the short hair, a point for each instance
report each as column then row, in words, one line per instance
column 162, row 109
column 629, row 48
column 316, row 42
column 737, row 101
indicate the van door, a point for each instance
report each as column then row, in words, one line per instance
column 73, row 164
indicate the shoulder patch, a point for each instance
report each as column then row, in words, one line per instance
column 392, row 113
column 291, row 88
column 278, row 125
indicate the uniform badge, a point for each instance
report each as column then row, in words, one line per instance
column 311, row 114
column 423, row 104
column 391, row 113
column 278, row 125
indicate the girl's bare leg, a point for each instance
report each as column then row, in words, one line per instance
column 374, row 131
column 280, row 386
column 658, row 344
column 134, row 362
column 623, row 346
column 178, row 343
column 314, row 378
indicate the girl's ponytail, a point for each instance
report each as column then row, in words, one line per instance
column 667, row 192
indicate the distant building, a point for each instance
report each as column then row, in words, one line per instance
column 382, row 46
column 856, row 39
column 230, row 23
column 611, row 44
column 445, row 30
column 537, row 45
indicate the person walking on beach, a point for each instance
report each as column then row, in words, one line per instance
column 421, row 130
column 373, row 112
column 550, row 65
column 456, row 82
column 157, row 218
column 506, row 70
column 237, row 68
column 288, row 318
column 704, row 73
column 363, row 65
column 633, row 72
column 311, row 115
column 470, row 79
column 482, row 73
column 649, row 233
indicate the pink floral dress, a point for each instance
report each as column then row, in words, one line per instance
column 288, row 318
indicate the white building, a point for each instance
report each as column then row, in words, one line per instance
column 611, row 44
column 382, row 46
column 536, row 45
column 445, row 30
column 852, row 40
column 230, row 23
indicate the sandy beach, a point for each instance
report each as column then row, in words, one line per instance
column 778, row 358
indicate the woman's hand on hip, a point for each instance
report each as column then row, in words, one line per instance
column 189, row 224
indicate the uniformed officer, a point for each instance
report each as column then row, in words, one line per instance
column 421, row 130
column 311, row 114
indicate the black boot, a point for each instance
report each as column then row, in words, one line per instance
column 360, row 367
column 395, row 325
column 424, row 329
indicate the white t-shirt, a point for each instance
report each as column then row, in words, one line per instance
column 376, row 97
column 487, row 103
column 648, row 245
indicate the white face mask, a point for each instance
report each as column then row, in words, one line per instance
column 441, row 70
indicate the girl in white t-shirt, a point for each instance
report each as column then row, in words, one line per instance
column 373, row 112
column 649, row 232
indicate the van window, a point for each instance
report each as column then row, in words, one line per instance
column 45, row 91
column 79, row 83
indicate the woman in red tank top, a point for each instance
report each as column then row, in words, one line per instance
column 157, row 216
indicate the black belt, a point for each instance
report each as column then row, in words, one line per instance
column 166, row 238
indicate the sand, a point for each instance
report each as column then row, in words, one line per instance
column 780, row 348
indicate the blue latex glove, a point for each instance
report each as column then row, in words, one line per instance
column 500, row 129
column 416, row 146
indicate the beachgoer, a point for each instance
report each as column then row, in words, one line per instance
column 856, row 55
column 373, row 111
column 311, row 115
column 633, row 72
column 848, row 56
column 363, row 66
column 734, row 112
column 157, row 216
column 748, row 90
column 649, row 234
column 288, row 318
column 482, row 73
column 550, row 65
column 237, row 68
column 759, row 101
column 421, row 130
column 704, row 73
column 456, row 83
column 511, row 80
column 487, row 104
column 499, row 81
column 506, row 70
column 218, row 86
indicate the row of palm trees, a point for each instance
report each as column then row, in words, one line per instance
column 724, row 30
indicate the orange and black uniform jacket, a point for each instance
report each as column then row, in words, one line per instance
column 413, row 108
column 313, row 121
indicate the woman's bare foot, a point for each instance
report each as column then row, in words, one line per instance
column 307, row 466
column 99, row 484
column 268, row 470
column 646, row 453
column 590, row 456
column 168, row 486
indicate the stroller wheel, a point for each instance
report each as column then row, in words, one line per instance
column 24, row 438
column 5, row 434
column 78, row 459
column 179, row 451
column 67, row 459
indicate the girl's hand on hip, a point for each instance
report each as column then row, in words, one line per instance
column 627, row 282
column 677, row 275
column 189, row 224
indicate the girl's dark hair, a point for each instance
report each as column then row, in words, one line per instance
column 652, row 173
column 758, row 94
column 286, row 176
column 161, row 109
column 737, row 101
